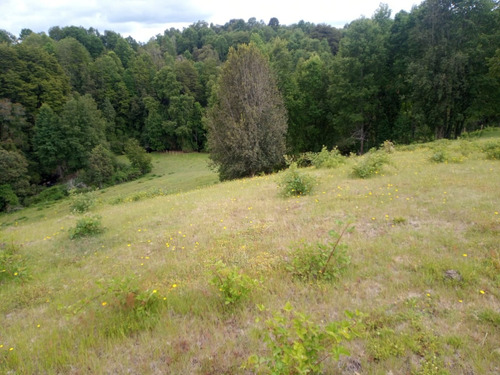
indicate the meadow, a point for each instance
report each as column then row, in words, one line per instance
column 187, row 275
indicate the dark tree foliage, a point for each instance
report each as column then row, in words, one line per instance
column 14, row 171
column 14, row 129
column 247, row 123
column 75, row 60
column 89, row 38
column 49, row 141
column 63, row 143
column 6, row 37
column 101, row 166
column 31, row 76
column 8, row 199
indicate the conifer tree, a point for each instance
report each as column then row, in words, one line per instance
column 247, row 122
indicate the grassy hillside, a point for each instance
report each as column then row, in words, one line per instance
column 147, row 296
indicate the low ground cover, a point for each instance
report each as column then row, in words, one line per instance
column 192, row 280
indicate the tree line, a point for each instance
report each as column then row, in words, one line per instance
column 433, row 72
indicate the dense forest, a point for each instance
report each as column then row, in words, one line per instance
column 72, row 99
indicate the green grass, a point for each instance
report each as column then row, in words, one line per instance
column 413, row 222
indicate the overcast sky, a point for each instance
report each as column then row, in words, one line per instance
column 144, row 19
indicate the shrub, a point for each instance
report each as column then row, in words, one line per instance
column 87, row 226
column 12, row 264
column 297, row 345
column 492, row 150
column 50, row 194
column 139, row 158
column 119, row 177
column 321, row 261
column 303, row 160
column 82, row 202
column 296, row 183
column 233, row 285
column 388, row 147
column 439, row 157
column 101, row 166
column 53, row 193
column 446, row 151
column 8, row 199
column 370, row 164
column 327, row 159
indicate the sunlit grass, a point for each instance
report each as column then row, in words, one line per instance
column 414, row 221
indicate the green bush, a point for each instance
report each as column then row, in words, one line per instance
column 449, row 156
column 388, row 147
column 119, row 177
column 447, row 151
column 370, row 164
column 139, row 158
column 320, row 261
column 12, row 264
column 87, row 226
column 328, row 159
column 8, row 199
column 492, row 150
column 101, row 166
column 439, row 157
column 294, row 183
column 233, row 285
column 82, row 202
column 297, row 345
column 53, row 193
column 50, row 194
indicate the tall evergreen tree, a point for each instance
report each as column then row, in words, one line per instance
column 247, row 122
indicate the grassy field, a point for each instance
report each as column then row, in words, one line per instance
column 187, row 274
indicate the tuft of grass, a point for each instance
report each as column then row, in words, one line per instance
column 125, row 307
column 490, row 316
column 12, row 264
